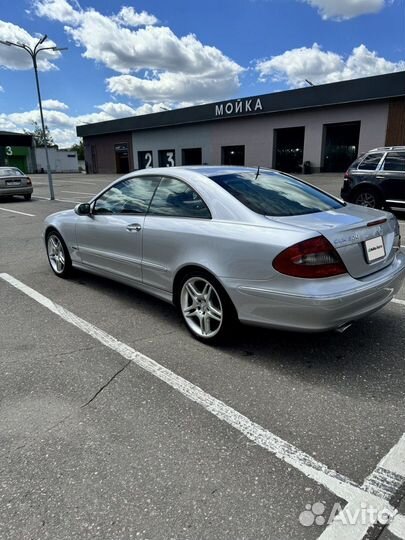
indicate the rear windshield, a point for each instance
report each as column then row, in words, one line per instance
column 274, row 194
column 11, row 172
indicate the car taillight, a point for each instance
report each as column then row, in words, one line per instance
column 313, row 258
column 346, row 176
column 29, row 181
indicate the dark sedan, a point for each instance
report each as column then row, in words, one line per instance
column 14, row 182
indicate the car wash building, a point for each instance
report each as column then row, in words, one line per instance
column 320, row 129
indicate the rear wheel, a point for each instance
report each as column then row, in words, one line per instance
column 58, row 255
column 28, row 197
column 368, row 198
column 205, row 307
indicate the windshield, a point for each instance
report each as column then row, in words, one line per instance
column 11, row 172
column 275, row 194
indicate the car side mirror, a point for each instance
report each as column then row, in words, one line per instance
column 83, row 209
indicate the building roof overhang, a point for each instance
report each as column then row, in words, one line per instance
column 381, row 87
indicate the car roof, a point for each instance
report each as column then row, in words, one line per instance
column 217, row 170
column 387, row 149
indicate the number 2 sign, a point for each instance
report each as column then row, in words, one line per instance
column 145, row 159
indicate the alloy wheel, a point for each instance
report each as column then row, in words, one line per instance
column 366, row 199
column 201, row 307
column 56, row 254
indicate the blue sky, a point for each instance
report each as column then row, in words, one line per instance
column 128, row 57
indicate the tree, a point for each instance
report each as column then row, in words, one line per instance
column 79, row 148
column 39, row 136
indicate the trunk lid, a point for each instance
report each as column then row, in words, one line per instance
column 13, row 181
column 348, row 229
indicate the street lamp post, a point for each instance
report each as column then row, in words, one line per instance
column 34, row 53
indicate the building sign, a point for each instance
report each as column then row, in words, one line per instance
column 167, row 158
column 145, row 159
column 241, row 106
column 121, row 149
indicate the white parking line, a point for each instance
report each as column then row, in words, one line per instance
column 385, row 482
column 397, row 527
column 78, row 192
column 82, row 182
column 313, row 469
column 375, row 494
column 58, row 200
column 17, row 212
column 401, row 302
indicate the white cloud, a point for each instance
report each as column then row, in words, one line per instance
column 63, row 126
column 174, row 87
column 346, row 9
column 57, row 10
column 182, row 68
column 54, row 104
column 129, row 17
column 116, row 109
column 1, row 88
column 16, row 58
column 294, row 66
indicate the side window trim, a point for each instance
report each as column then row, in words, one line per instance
column 168, row 177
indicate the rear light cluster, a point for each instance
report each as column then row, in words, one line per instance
column 313, row 258
column 29, row 180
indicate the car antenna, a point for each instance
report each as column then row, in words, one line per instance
column 258, row 172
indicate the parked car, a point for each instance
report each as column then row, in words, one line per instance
column 14, row 182
column 228, row 243
column 377, row 179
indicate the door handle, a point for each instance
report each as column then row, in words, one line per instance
column 134, row 227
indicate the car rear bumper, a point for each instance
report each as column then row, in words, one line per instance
column 349, row 299
column 345, row 194
column 19, row 190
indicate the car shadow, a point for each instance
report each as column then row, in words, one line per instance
column 399, row 213
column 13, row 199
column 366, row 360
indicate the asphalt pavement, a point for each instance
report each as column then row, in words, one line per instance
column 116, row 424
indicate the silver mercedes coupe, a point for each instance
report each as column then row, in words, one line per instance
column 231, row 243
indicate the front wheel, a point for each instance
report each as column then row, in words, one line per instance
column 206, row 308
column 58, row 255
column 368, row 198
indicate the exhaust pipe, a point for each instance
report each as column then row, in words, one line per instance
column 343, row 328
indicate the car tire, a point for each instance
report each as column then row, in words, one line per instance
column 368, row 198
column 58, row 255
column 28, row 197
column 206, row 308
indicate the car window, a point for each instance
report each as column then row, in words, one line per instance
column 275, row 194
column 11, row 172
column 175, row 198
column 370, row 162
column 395, row 161
column 356, row 162
column 130, row 196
